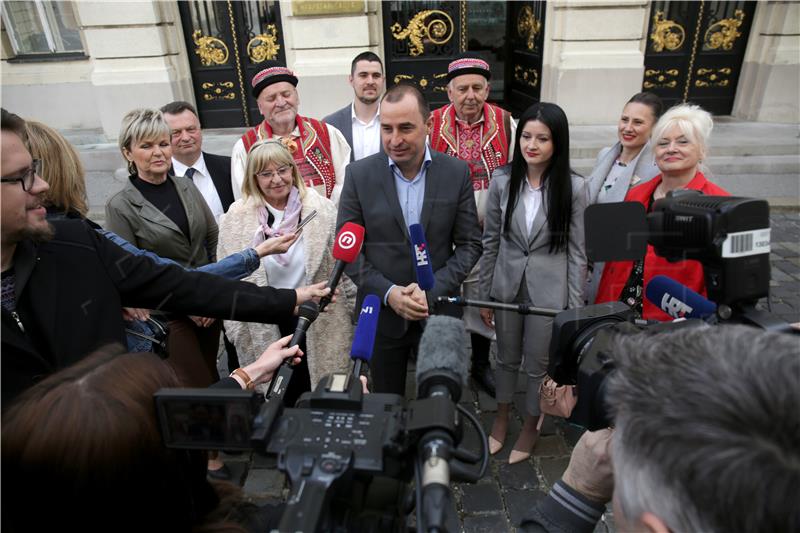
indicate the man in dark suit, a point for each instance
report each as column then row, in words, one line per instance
column 210, row 173
column 359, row 121
column 386, row 193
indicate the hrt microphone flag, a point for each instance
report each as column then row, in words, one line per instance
column 364, row 337
column 422, row 258
column 678, row 300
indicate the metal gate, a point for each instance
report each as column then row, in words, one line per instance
column 421, row 38
column 227, row 41
column 695, row 52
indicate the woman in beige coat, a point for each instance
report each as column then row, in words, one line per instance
column 274, row 201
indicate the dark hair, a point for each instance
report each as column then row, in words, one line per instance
column 397, row 92
column 14, row 123
column 651, row 100
column 365, row 56
column 557, row 177
column 86, row 440
column 179, row 106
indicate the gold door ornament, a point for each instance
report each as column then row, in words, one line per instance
column 210, row 49
column 438, row 31
column 710, row 77
column 723, row 34
column 529, row 77
column 655, row 79
column 667, row 34
column 423, row 82
column 214, row 91
column 264, row 46
column 528, row 26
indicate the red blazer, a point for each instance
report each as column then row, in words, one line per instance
column 689, row 273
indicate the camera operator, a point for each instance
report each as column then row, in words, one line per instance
column 64, row 285
column 706, row 438
column 82, row 451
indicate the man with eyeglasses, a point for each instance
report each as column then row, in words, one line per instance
column 64, row 284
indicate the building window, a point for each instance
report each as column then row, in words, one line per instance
column 42, row 28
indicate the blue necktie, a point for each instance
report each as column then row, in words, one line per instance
column 190, row 172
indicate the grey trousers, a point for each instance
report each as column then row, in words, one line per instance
column 523, row 343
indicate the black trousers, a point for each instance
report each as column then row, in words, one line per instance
column 390, row 357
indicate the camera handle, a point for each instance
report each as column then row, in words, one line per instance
column 311, row 478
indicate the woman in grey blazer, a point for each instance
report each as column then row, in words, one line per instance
column 533, row 253
column 627, row 163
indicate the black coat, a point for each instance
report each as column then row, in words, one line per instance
column 70, row 292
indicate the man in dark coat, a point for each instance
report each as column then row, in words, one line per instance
column 64, row 285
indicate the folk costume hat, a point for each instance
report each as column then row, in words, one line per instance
column 274, row 73
column 468, row 63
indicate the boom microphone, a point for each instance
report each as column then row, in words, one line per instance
column 364, row 336
column 441, row 371
column 345, row 250
column 422, row 258
column 678, row 300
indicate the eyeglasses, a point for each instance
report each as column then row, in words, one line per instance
column 27, row 176
column 269, row 174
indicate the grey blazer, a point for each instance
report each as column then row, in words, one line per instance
column 132, row 217
column 449, row 218
column 342, row 120
column 640, row 170
column 555, row 280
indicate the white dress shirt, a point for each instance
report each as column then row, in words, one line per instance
column 532, row 198
column 202, row 180
column 366, row 135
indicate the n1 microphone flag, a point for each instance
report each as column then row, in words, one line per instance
column 422, row 258
column 364, row 336
column 678, row 300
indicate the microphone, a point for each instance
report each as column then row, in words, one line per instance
column 678, row 300
column 441, row 371
column 364, row 336
column 306, row 314
column 345, row 250
column 422, row 259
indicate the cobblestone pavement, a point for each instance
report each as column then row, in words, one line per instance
column 499, row 500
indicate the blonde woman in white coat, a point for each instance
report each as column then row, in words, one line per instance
column 533, row 253
column 626, row 164
column 274, row 201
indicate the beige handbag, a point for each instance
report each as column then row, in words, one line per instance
column 555, row 399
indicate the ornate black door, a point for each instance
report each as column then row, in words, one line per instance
column 524, row 66
column 695, row 51
column 227, row 41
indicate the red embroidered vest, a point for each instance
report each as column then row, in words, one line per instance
column 312, row 156
column 493, row 149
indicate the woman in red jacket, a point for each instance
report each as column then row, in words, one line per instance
column 680, row 138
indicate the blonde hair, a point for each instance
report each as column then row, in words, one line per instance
column 141, row 124
column 262, row 154
column 694, row 122
column 61, row 168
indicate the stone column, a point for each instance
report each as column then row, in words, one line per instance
column 138, row 57
column 770, row 78
column 320, row 48
column 593, row 56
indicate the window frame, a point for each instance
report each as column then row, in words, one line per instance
column 40, row 9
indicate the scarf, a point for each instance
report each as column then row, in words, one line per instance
column 291, row 217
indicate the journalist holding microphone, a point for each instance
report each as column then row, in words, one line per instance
column 680, row 140
column 275, row 202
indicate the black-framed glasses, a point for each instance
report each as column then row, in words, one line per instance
column 27, row 176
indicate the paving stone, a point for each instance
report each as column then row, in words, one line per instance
column 264, row 461
column 491, row 523
column 552, row 468
column 518, row 476
column 264, row 483
column 520, row 502
column 482, row 497
column 485, row 402
column 786, row 266
column 779, row 276
column 550, row 446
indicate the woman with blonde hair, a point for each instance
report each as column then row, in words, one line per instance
column 275, row 202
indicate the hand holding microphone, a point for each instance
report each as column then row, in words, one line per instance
column 411, row 301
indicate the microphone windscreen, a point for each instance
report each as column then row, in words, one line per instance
column 308, row 310
column 422, row 259
column 348, row 242
column 364, row 336
column 678, row 300
column 443, row 347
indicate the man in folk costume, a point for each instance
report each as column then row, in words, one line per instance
column 320, row 150
column 482, row 135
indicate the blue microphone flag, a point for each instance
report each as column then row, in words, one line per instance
column 678, row 300
column 364, row 337
column 422, row 258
